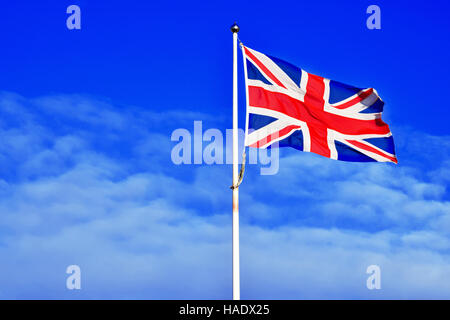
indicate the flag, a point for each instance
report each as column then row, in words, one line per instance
column 288, row 105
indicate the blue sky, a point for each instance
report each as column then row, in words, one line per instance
column 86, row 176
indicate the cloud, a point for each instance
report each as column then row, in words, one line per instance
column 85, row 182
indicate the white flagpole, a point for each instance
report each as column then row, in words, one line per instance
column 236, row 276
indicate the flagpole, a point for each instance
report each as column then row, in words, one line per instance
column 236, row 275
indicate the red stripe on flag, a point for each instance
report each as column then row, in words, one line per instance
column 315, row 89
column 371, row 149
column 263, row 68
column 273, row 136
column 310, row 112
column 361, row 96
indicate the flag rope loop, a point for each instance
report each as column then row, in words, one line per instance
column 241, row 173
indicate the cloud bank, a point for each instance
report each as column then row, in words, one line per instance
column 87, row 182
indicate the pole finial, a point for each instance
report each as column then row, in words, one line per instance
column 234, row 28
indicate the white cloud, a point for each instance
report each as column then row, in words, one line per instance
column 95, row 187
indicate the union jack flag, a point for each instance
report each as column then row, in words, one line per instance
column 288, row 105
